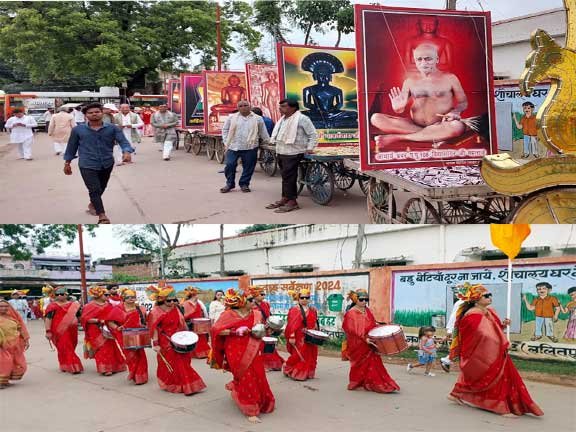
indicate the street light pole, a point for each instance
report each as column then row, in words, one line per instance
column 161, row 252
column 451, row 4
column 82, row 266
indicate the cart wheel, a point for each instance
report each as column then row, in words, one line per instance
column 459, row 212
column 196, row 144
column 364, row 183
column 419, row 211
column 343, row 177
column 210, row 148
column 176, row 143
column 219, row 150
column 188, row 139
column 554, row 206
column 499, row 209
column 378, row 199
column 268, row 162
column 320, row 183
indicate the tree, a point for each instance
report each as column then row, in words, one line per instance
column 21, row 241
column 268, row 15
column 344, row 22
column 262, row 227
column 109, row 42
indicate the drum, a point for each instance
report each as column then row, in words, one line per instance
column 275, row 323
column 184, row 341
column 106, row 332
column 389, row 339
column 136, row 338
column 269, row 344
column 315, row 337
column 201, row 325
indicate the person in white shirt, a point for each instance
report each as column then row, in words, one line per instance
column 47, row 117
column 78, row 115
column 129, row 122
column 241, row 135
column 60, row 129
column 21, row 129
column 217, row 306
column 20, row 304
column 445, row 362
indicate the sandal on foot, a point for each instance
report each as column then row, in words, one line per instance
column 287, row 208
column 276, row 205
column 104, row 221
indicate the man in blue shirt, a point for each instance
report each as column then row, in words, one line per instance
column 94, row 142
column 268, row 122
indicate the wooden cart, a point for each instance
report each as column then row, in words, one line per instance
column 197, row 142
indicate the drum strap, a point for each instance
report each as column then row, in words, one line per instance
column 264, row 316
column 304, row 318
column 142, row 319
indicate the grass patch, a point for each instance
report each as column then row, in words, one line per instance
column 412, row 318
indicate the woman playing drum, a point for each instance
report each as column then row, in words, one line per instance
column 301, row 365
column 14, row 340
column 488, row 379
column 109, row 358
column 175, row 373
column 194, row 308
column 235, row 350
column 272, row 361
column 366, row 367
column 61, row 323
column 129, row 315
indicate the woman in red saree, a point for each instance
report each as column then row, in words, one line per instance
column 301, row 365
column 108, row 355
column 488, row 379
column 174, row 373
column 194, row 308
column 14, row 340
column 124, row 316
column 272, row 361
column 366, row 367
column 235, row 350
column 61, row 323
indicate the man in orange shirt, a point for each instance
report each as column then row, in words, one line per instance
column 547, row 308
column 528, row 126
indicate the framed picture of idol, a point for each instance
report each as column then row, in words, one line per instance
column 222, row 92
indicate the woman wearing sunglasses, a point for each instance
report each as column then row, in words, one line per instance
column 301, row 365
column 175, row 373
column 61, row 323
column 105, row 351
column 366, row 367
column 194, row 308
column 130, row 315
column 488, row 379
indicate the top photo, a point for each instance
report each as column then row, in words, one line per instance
column 254, row 111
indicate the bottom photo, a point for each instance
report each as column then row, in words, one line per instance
column 287, row 327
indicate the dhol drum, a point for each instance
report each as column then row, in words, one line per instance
column 269, row 344
column 389, row 339
column 275, row 324
column 315, row 337
column 201, row 325
column 106, row 332
column 136, row 338
column 184, row 341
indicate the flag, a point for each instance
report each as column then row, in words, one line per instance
column 509, row 237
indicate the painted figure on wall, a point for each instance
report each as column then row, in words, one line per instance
column 546, row 307
column 570, row 308
column 271, row 96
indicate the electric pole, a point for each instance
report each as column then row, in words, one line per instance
column 451, row 4
column 82, row 266
column 359, row 245
column 221, row 249
column 161, row 252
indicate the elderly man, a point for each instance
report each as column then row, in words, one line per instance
column 20, row 305
column 438, row 102
column 60, row 129
column 294, row 136
column 164, row 123
column 129, row 122
column 21, row 129
column 241, row 134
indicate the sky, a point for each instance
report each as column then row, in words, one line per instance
column 107, row 242
column 500, row 10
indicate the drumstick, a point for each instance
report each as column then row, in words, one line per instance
column 51, row 346
column 120, row 349
column 168, row 366
column 298, row 352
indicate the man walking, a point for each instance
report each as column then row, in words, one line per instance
column 241, row 134
column 164, row 123
column 21, row 129
column 79, row 115
column 60, row 129
column 47, row 116
column 129, row 122
column 94, row 142
column 294, row 136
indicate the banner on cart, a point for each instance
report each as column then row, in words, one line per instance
column 263, row 89
column 193, row 101
column 174, row 96
column 425, row 87
column 323, row 81
column 222, row 92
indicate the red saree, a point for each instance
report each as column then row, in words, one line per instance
column 366, row 367
column 272, row 361
column 192, row 310
column 241, row 356
column 13, row 337
column 135, row 359
column 301, row 365
column 64, row 328
column 183, row 378
column 488, row 379
column 105, row 351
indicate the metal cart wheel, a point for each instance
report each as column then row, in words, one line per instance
column 176, row 143
column 188, row 142
column 196, row 144
column 220, row 151
column 302, row 172
column 268, row 162
column 364, row 183
column 210, row 147
column 419, row 211
column 458, row 212
column 499, row 209
column 381, row 204
column 320, row 182
column 343, row 177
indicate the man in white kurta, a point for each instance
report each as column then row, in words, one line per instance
column 129, row 122
column 60, row 127
column 242, row 133
column 19, row 304
column 21, row 129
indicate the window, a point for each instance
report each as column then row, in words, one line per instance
column 18, row 266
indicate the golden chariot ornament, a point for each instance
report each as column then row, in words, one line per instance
column 547, row 185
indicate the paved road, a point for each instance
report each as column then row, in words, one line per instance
column 185, row 189
column 49, row 400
